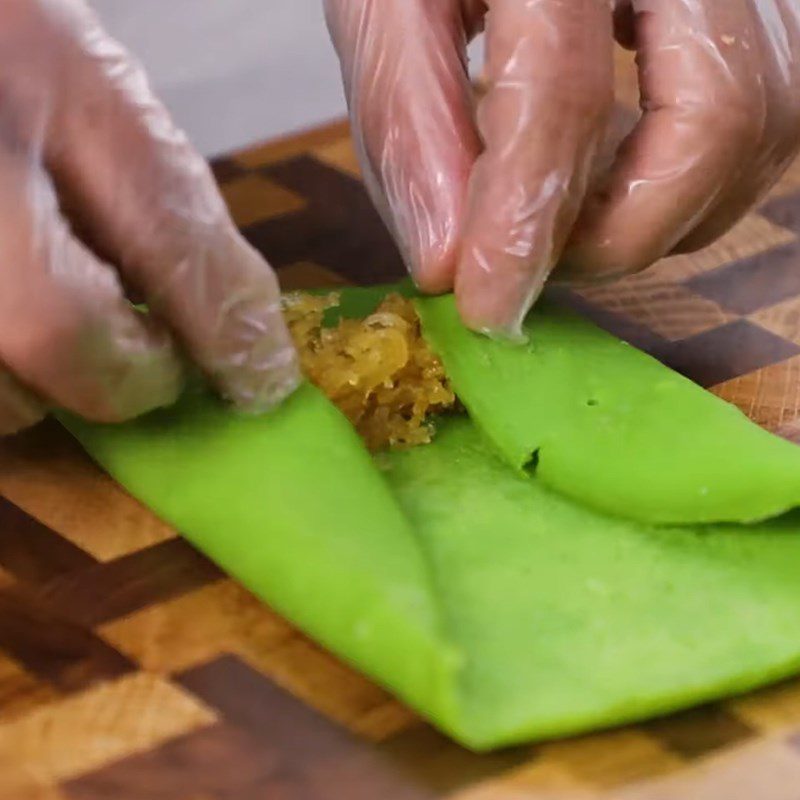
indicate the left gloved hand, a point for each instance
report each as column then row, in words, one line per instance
column 100, row 192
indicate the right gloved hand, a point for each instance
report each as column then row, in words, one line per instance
column 486, row 201
column 100, row 192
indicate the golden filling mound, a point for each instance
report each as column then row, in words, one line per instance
column 379, row 371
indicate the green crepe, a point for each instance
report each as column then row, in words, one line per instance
column 500, row 608
column 611, row 426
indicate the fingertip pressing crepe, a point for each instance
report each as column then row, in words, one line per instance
column 500, row 604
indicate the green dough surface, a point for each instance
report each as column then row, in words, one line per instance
column 570, row 620
column 499, row 607
column 611, row 426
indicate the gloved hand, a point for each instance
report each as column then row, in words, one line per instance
column 489, row 206
column 99, row 192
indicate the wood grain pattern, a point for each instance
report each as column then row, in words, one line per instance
column 755, row 234
column 45, row 472
column 252, row 197
column 20, row 690
column 51, row 646
column 769, row 396
column 672, row 311
column 132, row 669
column 95, row 727
column 158, row 638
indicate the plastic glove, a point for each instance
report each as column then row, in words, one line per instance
column 720, row 86
column 100, row 191
column 488, row 205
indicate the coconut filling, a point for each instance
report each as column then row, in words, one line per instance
column 379, row 370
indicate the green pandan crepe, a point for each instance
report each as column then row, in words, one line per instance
column 612, row 582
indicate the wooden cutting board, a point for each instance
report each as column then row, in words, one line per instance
column 132, row 669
